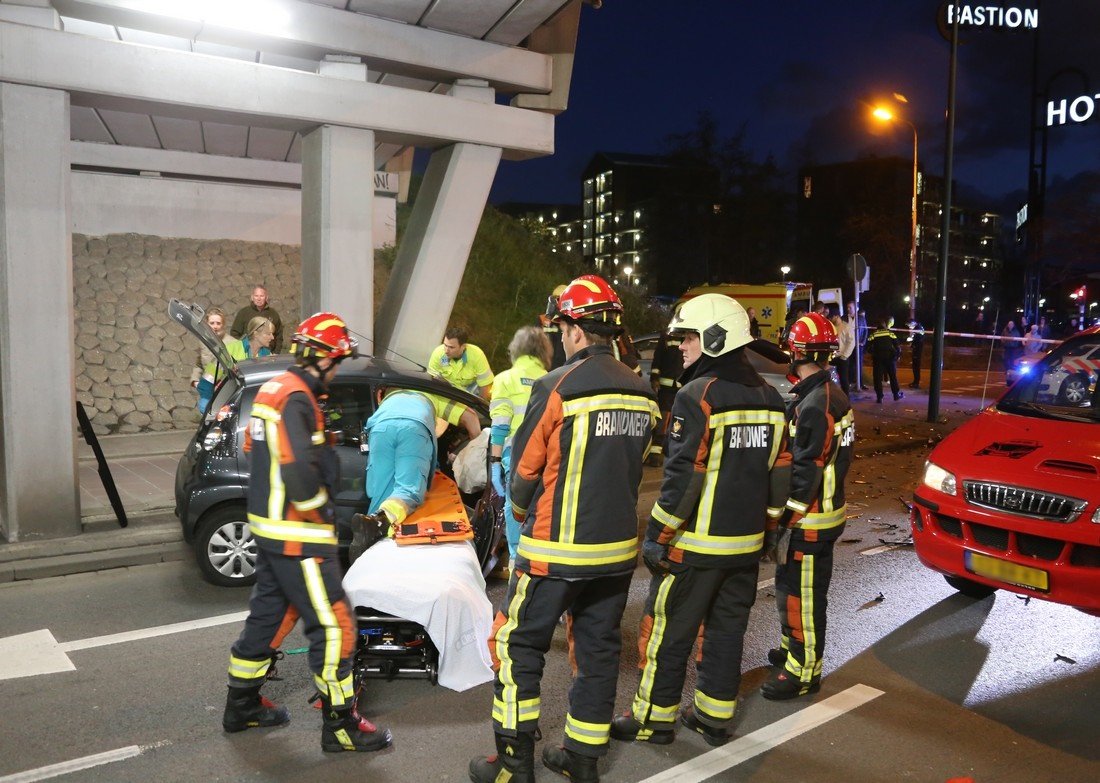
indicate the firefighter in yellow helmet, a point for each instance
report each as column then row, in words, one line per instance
column 726, row 475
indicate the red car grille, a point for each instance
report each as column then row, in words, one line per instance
column 1024, row 502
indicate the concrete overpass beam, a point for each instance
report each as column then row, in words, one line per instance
column 337, row 246
column 432, row 255
column 39, row 490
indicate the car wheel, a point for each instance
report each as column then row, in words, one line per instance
column 225, row 548
column 970, row 588
column 1074, row 391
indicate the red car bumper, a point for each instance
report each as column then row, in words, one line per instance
column 1051, row 561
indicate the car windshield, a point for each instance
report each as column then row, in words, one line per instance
column 1062, row 385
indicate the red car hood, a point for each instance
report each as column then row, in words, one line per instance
column 1058, row 456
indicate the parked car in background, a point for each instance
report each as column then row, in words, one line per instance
column 1011, row 499
column 213, row 473
column 1024, row 365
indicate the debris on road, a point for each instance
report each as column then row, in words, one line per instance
column 899, row 542
column 850, row 540
column 1063, row 659
column 878, row 599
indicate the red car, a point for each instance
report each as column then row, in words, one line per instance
column 1011, row 499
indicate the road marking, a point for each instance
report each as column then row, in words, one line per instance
column 148, row 633
column 75, row 765
column 38, row 652
column 744, row 748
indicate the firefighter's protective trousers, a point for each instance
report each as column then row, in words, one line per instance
column 288, row 588
column 686, row 596
column 522, row 636
column 802, row 597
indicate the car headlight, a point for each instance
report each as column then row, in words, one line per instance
column 939, row 479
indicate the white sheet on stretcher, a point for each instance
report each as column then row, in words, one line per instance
column 439, row 586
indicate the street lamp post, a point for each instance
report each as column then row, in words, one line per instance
column 884, row 114
column 786, row 270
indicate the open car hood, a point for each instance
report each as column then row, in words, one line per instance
column 193, row 318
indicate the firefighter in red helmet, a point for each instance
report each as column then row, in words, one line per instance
column 823, row 434
column 293, row 519
column 576, row 466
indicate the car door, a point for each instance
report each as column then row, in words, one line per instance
column 348, row 406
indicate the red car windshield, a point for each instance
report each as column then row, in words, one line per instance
column 1063, row 385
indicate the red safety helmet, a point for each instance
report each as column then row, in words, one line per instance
column 590, row 301
column 812, row 338
column 324, row 336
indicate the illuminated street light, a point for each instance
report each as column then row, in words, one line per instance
column 786, row 270
column 883, row 114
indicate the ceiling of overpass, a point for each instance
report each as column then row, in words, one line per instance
column 504, row 22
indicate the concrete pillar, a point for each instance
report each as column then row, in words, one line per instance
column 337, row 212
column 433, row 253
column 39, row 492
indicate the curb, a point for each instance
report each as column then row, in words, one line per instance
column 155, row 538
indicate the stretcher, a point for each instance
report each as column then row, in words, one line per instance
column 422, row 612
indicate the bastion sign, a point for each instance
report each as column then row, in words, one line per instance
column 992, row 15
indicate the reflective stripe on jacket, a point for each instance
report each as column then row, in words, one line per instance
column 727, row 467
column 823, row 434
column 288, row 502
column 511, row 391
column 576, row 466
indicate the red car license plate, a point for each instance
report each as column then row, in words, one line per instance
column 1004, row 571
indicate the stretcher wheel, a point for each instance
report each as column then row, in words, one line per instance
column 433, row 672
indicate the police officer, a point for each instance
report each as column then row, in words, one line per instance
column 726, row 478
column 822, row 431
column 292, row 518
column 883, row 344
column 577, row 464
column 916, row 342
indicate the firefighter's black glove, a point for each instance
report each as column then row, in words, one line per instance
column 655, row 556
column 367, row 530
column 771, row 538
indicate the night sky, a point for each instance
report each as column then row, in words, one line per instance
column 797, row 75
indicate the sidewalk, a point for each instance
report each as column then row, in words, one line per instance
column 144, row 467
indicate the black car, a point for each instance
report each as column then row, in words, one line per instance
column 212, row 476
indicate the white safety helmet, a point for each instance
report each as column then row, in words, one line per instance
column 721, row 323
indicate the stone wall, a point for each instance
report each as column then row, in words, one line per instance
column 133, row 365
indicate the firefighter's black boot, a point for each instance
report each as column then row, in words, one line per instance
column 344, row 730
column 784, row 685
column 777, row 656
column 514, row 761
column 714, row 736
column 245, row 708
column 578, row 768
column 626, row 728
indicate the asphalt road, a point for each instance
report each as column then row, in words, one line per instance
column 921, row 684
